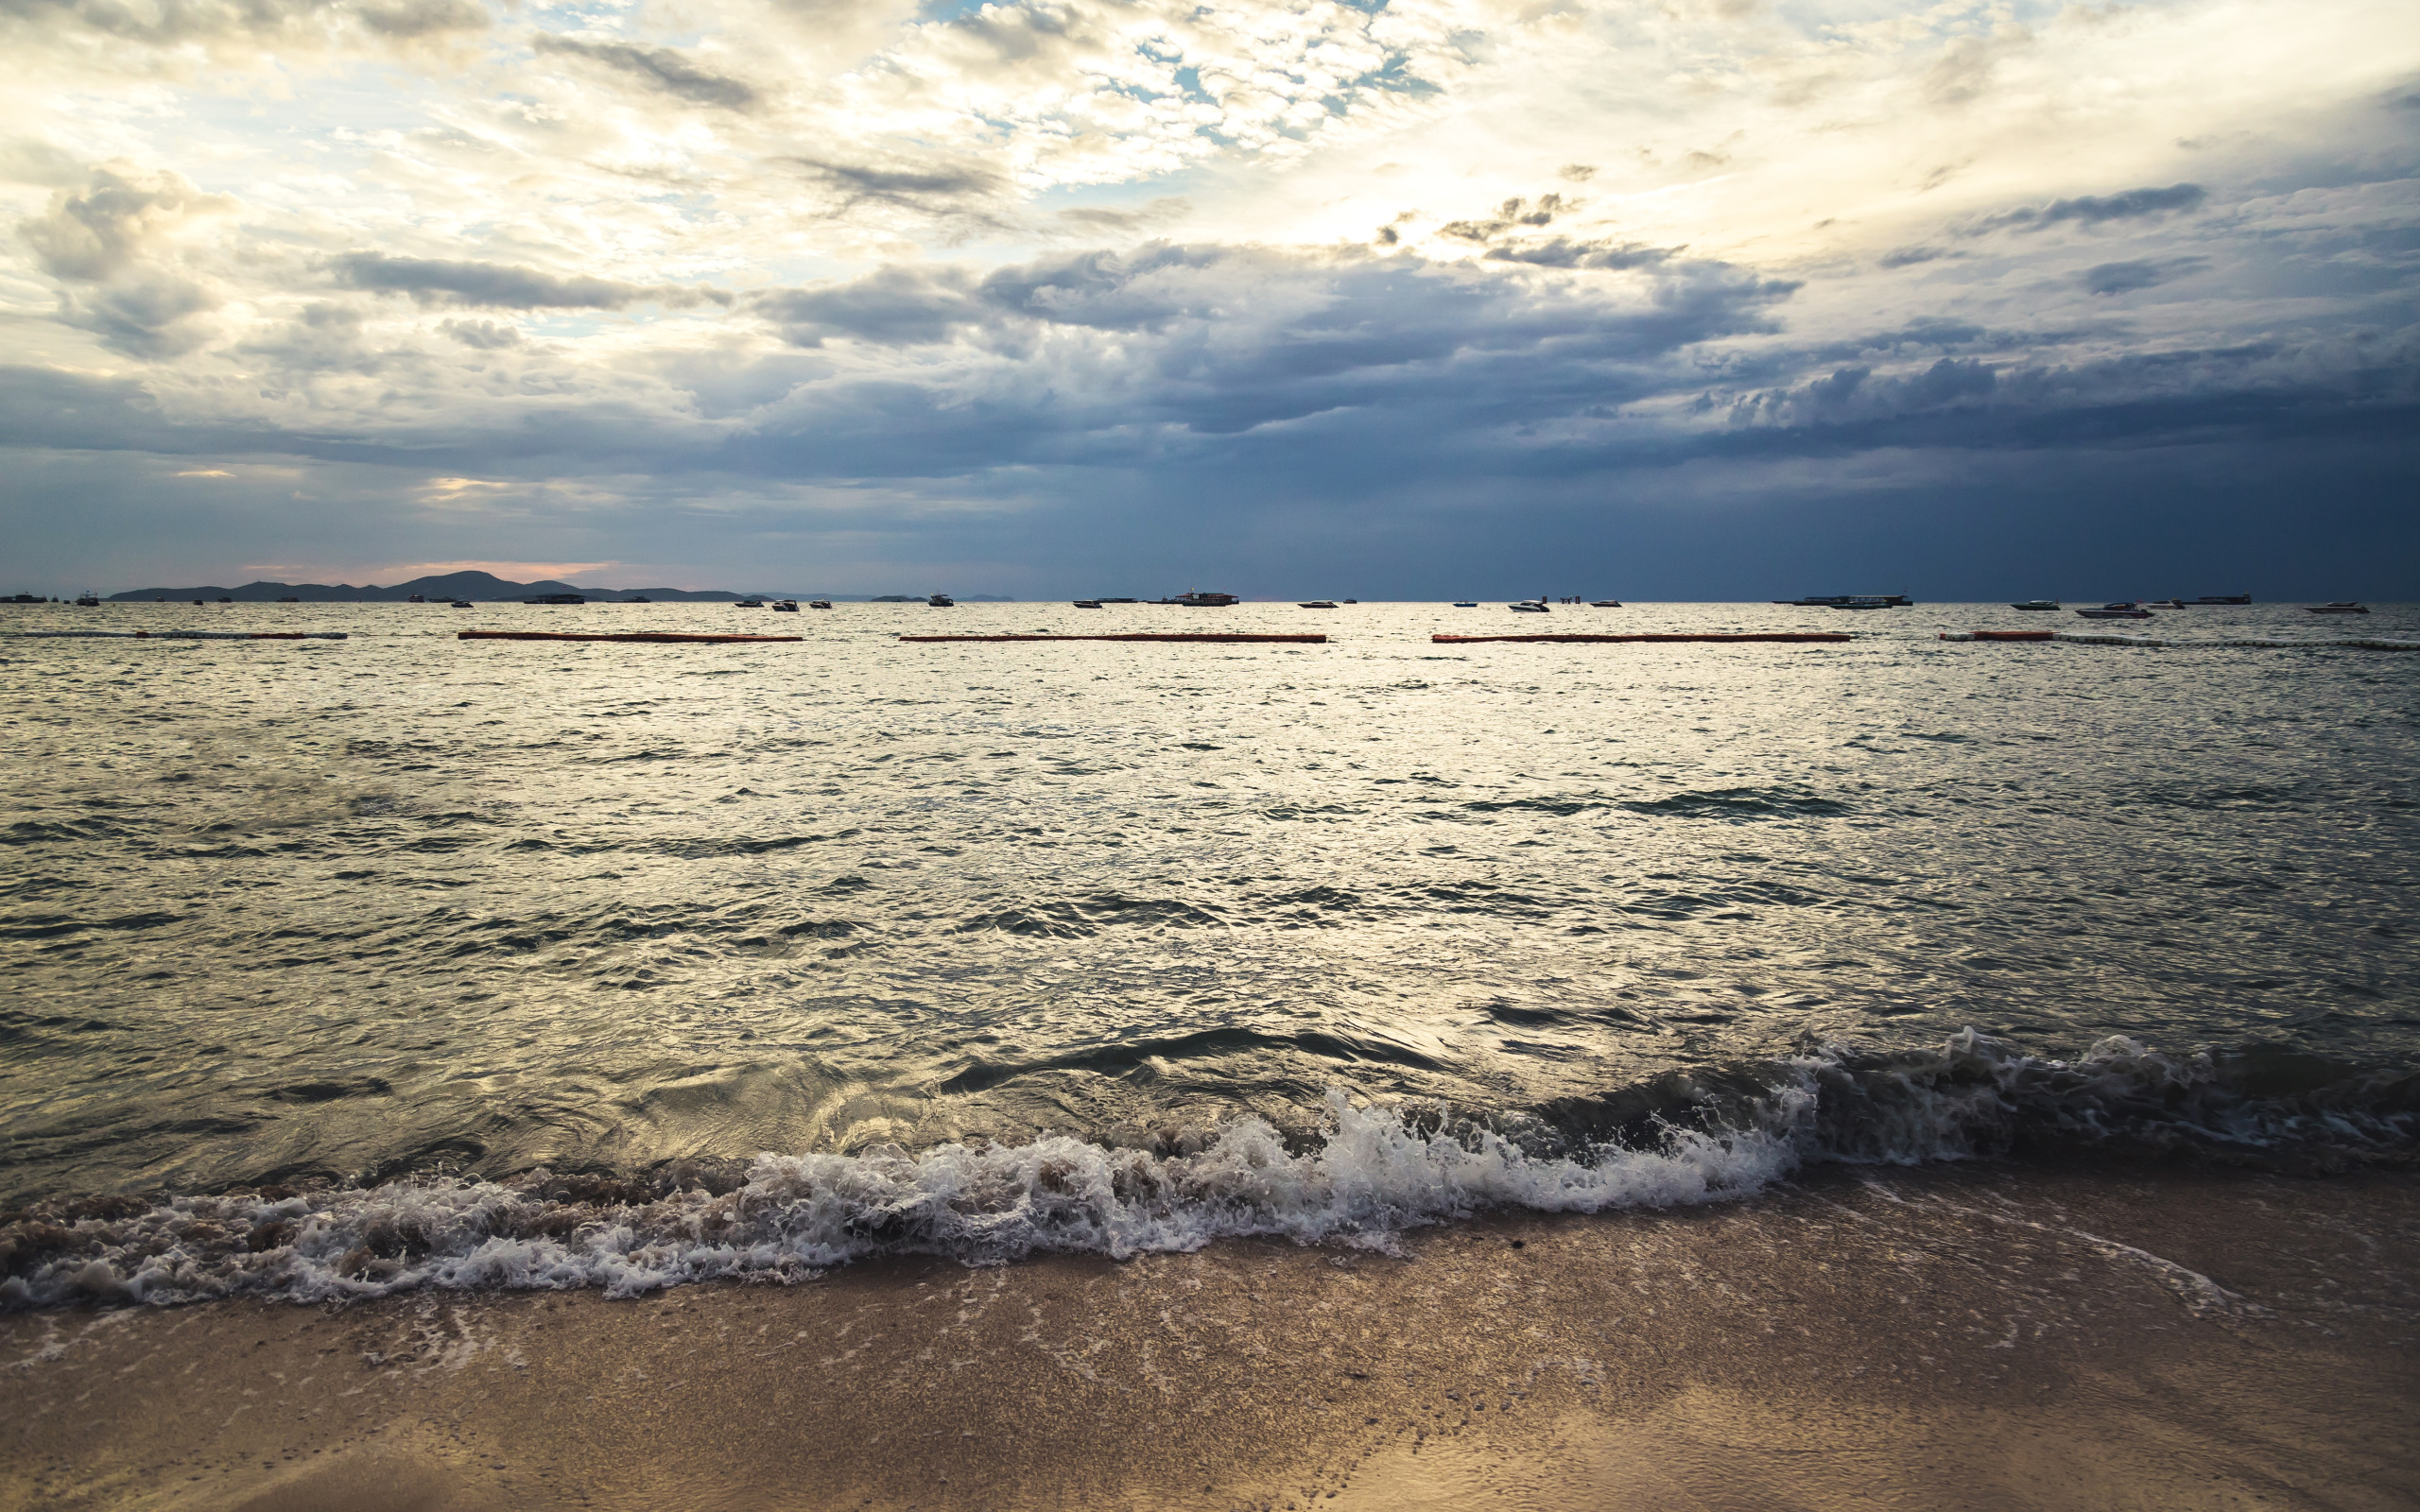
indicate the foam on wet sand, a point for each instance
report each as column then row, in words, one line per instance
column 1971, row 1336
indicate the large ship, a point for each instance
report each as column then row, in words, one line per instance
column 1196, row 599
column 1850, row 601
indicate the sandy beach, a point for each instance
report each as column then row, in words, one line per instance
column 1972, row 1337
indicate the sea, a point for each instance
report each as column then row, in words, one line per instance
column 342, row 968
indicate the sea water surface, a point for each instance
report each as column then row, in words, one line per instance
column 334, row 967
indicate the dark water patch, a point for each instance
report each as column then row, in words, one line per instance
column 1739, row 804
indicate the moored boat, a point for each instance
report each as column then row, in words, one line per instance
column 818, row 603
column 2224, row 598
column 1088, row 603
column 786, row 605
column 1466, row 603
column 1528, row 607
column 1604, row 603
column 1318, row 603
column 942, row 601
column 2037, row 604
column 2117, row 611
column 557, row 598
column 2345, row 606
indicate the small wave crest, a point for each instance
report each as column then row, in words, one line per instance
column 1373, row 1172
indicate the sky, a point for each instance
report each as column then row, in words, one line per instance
column 1398, row 299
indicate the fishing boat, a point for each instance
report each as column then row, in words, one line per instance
column 638, row 598
column 1604, row 603
column 416, row 599
column 2224, row 598
column 750, row 603
column 942, row 601
column 554, row 598
column 786, row 605
column 1319, row 603
column 88, row 600
column 1466, row 603
column 1088, row 603
column 2117, row 611
column 2038, row 605
column 1197, row 599
column 461, row 603
column 2345, row 607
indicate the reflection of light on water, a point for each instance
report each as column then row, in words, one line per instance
column 400, row 902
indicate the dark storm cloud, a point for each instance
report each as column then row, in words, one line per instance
column 1561, row 251
column 172, row 22
column 932, row 190
column 502, row 285
column 662, row 68
column 2094, row 209
column 2121, row 278
column 1910, row 256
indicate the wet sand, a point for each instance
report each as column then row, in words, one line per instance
column 1992, row 1337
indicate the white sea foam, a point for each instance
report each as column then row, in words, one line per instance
column 1376, row 1172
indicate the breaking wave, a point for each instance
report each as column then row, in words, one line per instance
column 1373, row 1172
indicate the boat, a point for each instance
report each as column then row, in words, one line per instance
column 90, row 600
column 638, row 598
column 818, row 603
column 557, row 598
column 1850, row 601
column 416, row 599
column 2223, row 598
column 750, row 603
column 461, row 603
column 289, row 599
column 1352, row 601
column 2117, row 611
column 2165, row 603
column 1604, row 603
column 786, row 605
column 1319, row 603
column 2347, row 606
column 224, row 599
column 1088, row 603
column 942, row 601
column 2037, row 604
column 1196, row 599
column 1466, row 603
column 1528, row 607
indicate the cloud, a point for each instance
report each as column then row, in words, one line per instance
column 955, row 189
column 662, row 68
column 2122, row 277
column 205, row 473
column 121, row 213
column 1563, row 252
column 2094, row 209
column 297, row 25
column 504, row 285
column 115, row 243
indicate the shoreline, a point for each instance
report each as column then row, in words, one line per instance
column 1984, row 1335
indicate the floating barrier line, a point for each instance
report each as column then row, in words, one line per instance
column 1789, row 637
column 2155, row 644
column 182, row 635
column 1207, row 638
column 652, row 637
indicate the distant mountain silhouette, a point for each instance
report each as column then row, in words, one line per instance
column 476, row 586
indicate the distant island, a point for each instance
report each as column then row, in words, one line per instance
column 482, row 588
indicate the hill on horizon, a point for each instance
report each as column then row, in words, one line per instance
column 473, row 585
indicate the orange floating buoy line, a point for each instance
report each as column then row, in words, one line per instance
column 655, row 637
column 1829, row 637
column 1207, row 638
